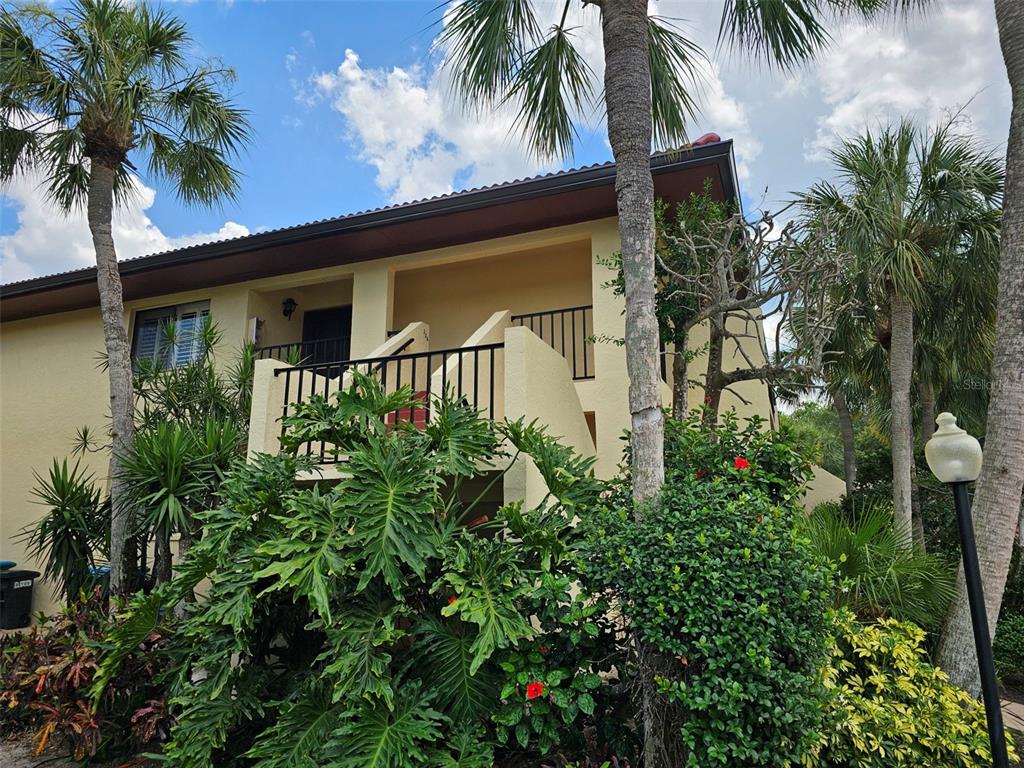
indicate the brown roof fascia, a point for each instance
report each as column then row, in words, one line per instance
column 539, row 203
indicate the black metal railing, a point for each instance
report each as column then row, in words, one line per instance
column 474, row 375
column 308, row 352
column 568, row 331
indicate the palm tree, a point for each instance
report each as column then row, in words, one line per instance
column 88, row 92
column 879, row 573
column 997, row 501
column 912, row 205
column 497, row 52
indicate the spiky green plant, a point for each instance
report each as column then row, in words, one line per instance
column 879, row 572
column 73, row 532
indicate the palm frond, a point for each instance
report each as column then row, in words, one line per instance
column 676, row 67
column 446, row 654
column 552, row 84
column 484, row 43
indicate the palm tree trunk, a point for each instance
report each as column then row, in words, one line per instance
column 901, row 365
column 119, row 364
column 627, row 81
column 680, row 379
column 998, row 494
column 846, row 432
column 926, row 395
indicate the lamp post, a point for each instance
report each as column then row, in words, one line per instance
column 954, row 457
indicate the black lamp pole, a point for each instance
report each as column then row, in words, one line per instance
column 979, row 621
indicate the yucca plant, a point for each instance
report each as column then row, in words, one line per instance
column 73, row 532
column 879, row 572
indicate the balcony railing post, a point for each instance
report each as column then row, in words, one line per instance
column 543, row 324
column 333, row 376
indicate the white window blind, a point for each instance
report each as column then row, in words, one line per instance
column 170, row 335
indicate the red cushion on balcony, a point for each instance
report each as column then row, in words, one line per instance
column 416, row 414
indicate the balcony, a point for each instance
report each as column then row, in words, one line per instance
column 472, row 374
column 568, row 331
column 503, row 370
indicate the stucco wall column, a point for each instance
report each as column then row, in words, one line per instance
column 373, row 292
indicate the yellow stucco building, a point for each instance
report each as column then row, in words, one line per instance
column 497, row 292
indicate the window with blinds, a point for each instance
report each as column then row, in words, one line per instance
column 171, row 336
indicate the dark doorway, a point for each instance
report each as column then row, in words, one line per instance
column 326, row 334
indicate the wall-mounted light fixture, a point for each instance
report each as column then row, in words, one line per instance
column 288, row 307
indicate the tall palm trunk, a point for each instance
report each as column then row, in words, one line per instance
column 846, row 432
column 998, row 494
column 901, row 365
column 119, row 364
column 680, row 379
column 627, row 81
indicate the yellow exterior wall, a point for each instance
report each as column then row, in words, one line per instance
column 455, row 298
column 49, row 384
column 278, row 329
column 538, row 385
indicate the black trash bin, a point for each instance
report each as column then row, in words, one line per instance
column 16, row 597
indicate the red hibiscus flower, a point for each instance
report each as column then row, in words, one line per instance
column 534, row 689
column 741, row 463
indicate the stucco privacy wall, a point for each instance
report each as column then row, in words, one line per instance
column 538, row 385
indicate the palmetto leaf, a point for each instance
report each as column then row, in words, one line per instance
column 552, row 84
column 484, row 41
column 881, row 573
column 444, row 654
column 676, row 63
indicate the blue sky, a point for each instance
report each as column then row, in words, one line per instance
column 350, row 112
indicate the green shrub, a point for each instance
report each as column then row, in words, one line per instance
column 377, row 621
column 719, row 585
column 1008, row 647
column 890, row 707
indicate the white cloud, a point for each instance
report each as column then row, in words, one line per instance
column 924, row 68
column 404, row 125
column 47, row 240
column 404, row 122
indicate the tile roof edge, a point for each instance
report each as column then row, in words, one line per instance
column 431, row 206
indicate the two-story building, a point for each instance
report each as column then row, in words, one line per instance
column 499, row 293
